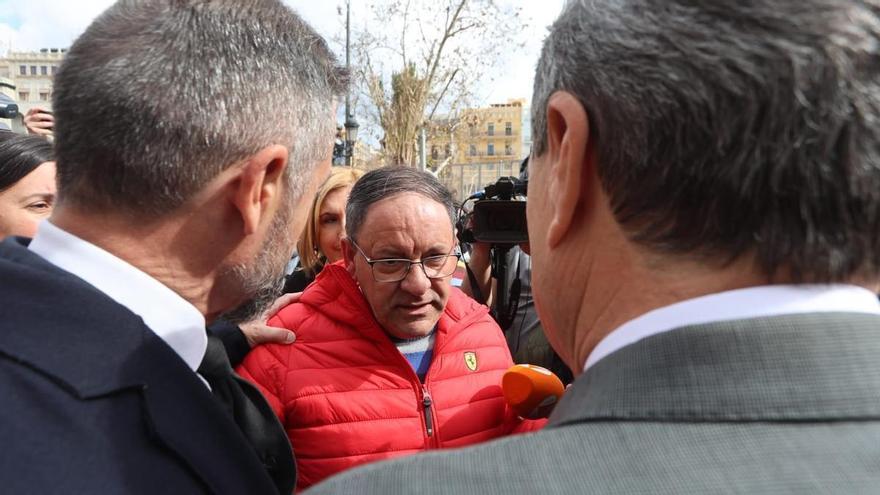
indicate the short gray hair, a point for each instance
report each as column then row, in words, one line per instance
column 726, row 128
column 157, row 97
column 386, row 182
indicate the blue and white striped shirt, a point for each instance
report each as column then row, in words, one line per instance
column 418, row 352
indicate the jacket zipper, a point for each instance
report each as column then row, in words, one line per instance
column 429, row 417
column 426, row 401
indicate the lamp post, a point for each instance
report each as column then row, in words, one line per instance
column 351, row 125
column 351, row 133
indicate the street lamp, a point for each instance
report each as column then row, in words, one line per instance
column 351, row 133
column 351, row 125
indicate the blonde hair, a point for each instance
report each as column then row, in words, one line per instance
column 310, row 255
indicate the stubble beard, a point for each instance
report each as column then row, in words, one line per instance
column 263, row 280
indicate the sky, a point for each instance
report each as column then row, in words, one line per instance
column 33, row 24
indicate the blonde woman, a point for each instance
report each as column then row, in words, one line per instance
column 320, row 240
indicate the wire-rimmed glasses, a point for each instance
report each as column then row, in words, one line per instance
column 396, row 269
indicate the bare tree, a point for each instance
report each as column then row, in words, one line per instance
column 419, row 59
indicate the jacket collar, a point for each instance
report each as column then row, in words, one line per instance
column 816, row 366
column 73, row 317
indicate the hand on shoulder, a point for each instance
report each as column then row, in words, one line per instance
column 259, row 332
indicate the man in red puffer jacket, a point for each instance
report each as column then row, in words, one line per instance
column 390, row 359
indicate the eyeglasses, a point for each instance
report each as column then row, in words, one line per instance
column 396, row 269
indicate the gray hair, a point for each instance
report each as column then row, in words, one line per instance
column 157, row 97
column 386, row 182
column 727, row 128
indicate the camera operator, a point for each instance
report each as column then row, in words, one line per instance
column 525, row 334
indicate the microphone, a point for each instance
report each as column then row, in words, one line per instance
column 531, row 391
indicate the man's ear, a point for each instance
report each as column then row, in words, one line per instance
column 258, row 189
column 568, row 134
column 348, row 254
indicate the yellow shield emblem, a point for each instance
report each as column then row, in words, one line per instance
column 470, row 360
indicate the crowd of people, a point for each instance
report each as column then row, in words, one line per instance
column 703, row 259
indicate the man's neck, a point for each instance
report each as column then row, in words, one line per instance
column 155, row 248
column 639, row 290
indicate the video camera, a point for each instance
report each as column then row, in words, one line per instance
column 8, row 110
column 498, row 216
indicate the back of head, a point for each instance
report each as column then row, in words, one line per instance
column 387, row 182
column 20, row 155
column 724, row 129
column 159, row 96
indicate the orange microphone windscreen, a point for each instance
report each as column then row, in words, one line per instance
column 532, row 391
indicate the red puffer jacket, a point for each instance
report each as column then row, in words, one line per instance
column 347, row 396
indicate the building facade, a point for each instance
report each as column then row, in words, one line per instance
column 479, row 135
column 465, row 179
column 31, row 75
column 480, row 146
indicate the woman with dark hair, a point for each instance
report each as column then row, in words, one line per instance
column 27, row 184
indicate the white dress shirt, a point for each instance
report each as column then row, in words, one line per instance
column 171, row 317
column 753, row 302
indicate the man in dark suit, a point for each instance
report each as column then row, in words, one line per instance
column 704, row 219
column 191, row 136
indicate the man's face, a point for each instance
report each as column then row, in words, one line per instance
column 263, row 279
column 407, row 226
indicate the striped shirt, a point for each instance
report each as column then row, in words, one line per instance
column 418, row 352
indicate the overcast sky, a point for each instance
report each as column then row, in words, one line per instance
column 34, row 24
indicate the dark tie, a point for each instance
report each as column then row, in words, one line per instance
column 250, row 411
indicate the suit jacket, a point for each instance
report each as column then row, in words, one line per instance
column 786, row 404
column 94, row 402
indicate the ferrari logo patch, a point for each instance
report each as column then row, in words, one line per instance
column 470, row 360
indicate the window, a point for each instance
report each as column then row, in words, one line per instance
column 448, row 150
column 508, row 129
column 490, row 149
column 23, row 96
column 491, row 129
column 54, row 69
column 44, row 71
column 434, row 153
column 44, row 96
column 473, row 150
column 22, row 70
column 508, row 149
column 473, row 129
column 33, row 70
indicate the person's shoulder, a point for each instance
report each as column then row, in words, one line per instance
column 18, row 262
column 291, row 316
column 460, row 306
column 627, row 456
column 59, row 326
column 528, row 463
column 58, row 430
column 469, row 323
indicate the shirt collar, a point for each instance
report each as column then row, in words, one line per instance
column 176, row 321
column 753, row 302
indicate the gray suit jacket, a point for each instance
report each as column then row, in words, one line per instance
column 788, row 404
